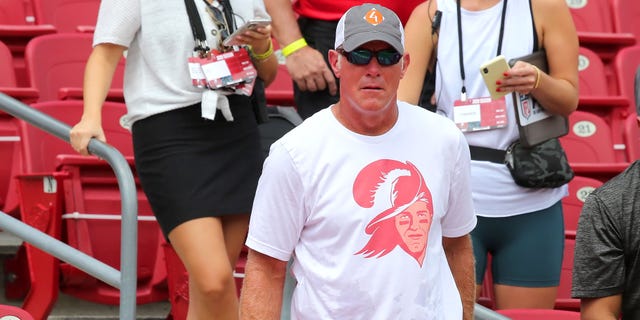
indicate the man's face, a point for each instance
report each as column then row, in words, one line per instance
column 371, row 87
column 413, row 226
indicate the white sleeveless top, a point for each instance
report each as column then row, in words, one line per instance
column 494, row 192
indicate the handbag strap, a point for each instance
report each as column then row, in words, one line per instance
column 196, row 27
column 487, row 154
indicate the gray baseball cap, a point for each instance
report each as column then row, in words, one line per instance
column 369, row 22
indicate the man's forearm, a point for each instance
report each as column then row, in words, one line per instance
column 461, row 261
column 261, row 297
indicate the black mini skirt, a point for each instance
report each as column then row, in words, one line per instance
column 190, row 167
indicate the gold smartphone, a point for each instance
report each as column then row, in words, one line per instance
column 492, row 71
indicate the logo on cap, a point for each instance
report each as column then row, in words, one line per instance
column 373, row 17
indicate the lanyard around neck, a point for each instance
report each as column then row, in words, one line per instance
column 460, row 51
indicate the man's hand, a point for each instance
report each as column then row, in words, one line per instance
column 310, row 72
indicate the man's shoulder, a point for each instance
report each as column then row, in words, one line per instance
column 628, row 179
column 429, row 120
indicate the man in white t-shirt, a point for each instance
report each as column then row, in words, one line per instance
column 370, row 197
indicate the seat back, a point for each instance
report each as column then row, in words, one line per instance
column 67, row 15
column 579, row 189
column 16, row 12
column 40, row 149
column 591, row 74
column 591, row 16
column 625, row 16
column 626, row 64
column 8, row 78
column 58, row 61
column 589, row 139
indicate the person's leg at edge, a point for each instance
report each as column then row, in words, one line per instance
column 209, row 252
column 529, row 267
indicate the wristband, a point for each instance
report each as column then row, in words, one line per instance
column 535, row 86
column 262, row 56
column 293, row 47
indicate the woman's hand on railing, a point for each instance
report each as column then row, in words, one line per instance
column 82, row 132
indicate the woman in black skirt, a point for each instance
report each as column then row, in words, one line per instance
column 197, row 149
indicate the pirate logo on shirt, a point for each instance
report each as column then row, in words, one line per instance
column 400, row 188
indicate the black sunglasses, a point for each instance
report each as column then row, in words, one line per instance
column 362, row 57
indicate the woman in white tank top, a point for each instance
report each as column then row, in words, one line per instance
column 479, row 35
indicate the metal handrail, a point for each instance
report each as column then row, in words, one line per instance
column 126, row 278
column 481, row 312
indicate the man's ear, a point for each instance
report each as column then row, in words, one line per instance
column 405, row 64
column 334, row 62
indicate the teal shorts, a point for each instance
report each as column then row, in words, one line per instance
column 526, row 250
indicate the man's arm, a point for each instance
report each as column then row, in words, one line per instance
column 261, row 296
column 306, row 65
column 460, row 257
column 605, row 308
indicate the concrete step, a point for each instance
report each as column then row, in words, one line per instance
column 9, row 244
column 71, row 308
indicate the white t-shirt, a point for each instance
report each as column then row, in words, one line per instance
column 326, row 191
column 159, row 41
column 494, row 192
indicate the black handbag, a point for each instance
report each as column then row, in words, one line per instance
column 544, row 165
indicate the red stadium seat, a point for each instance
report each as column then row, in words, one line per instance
column 625, row 17
column 626, row 64
column 8, row 80
column 17, row 26
column 13, row 313
column 593, row 21
column 539, row 314
column 599, row 95
column 67, row 15
column 593, row 75
column 9, row 138
column 579, row 189
column 280, row 91
column 589, row 139
column 592, row 150
column 77, row 199
column 16, row 12
column 55, row 66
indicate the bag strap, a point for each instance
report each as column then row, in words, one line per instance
column 535, row 32
column 197, row 29
column 487, row 154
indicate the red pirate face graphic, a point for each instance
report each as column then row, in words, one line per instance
column 406, row 221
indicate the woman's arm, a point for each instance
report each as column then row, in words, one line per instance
column 557, row 90
column 98, row 74
column 419, row 43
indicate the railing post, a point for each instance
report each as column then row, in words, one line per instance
column 129, row 245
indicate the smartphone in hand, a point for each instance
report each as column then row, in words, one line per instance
column 252, row 24
column 492, row 71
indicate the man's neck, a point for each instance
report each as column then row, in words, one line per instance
column 369, row 124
